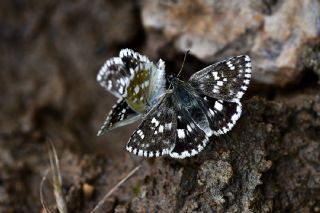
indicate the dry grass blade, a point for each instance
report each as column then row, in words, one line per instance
column 115, row 188
column 42, row 200
column 57, row 180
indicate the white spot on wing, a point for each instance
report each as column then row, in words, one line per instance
column 136, row 89
column 218, row 106
column 220, row 83
column 168, row 126
column 180, row 155
column 230, row 65
column 211, row 112
column 194, row 152
column 240, row 94
column 244, row 87
column 161, row 128
column 181, row 133
column 247, row 75
column 129, row 148
column 155, row 121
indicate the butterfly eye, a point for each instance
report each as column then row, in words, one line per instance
column 170, row 77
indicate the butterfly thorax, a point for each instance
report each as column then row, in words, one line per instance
column 184, row 94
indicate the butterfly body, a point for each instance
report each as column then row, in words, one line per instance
column 177, row 121
column 183, row 94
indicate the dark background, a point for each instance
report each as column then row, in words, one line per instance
column 51, row 51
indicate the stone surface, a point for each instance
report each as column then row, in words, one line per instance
column 310, row 57
column 267, row 164
column 271, row 32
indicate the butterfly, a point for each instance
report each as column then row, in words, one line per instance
column 176, row 121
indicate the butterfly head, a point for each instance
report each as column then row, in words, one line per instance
column 174, row 81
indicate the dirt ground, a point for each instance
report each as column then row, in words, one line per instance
column 51, row 52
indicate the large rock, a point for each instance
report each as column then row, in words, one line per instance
column 271, row 32
column 268, row 163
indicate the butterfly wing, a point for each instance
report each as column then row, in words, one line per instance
column 146, row 86
column 199, row 118
column 190, row 139
column 156, row 135
column 127, row 77
column 157, row 85
column 222, row 115
column 226, row 80
column 120, row 115
column 115, row 74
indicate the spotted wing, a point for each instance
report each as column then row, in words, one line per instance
column 115, row 74
column 222, row 115
column 190, row 139
column 120, row 115
column 156, row 135
column 226, row 80
column 146, row 86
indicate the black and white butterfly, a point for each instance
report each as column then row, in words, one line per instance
column 176, row 121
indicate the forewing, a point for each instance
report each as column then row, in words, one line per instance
column 131, row 58
column 115, row 74
column 157, row 85
column 120, row 115
column 156, row 135
column 226, row 80
column 190, row 139
column 222, row 115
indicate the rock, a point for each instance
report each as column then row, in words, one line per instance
column 253, row 169
column 310, row 57
column 271, row 32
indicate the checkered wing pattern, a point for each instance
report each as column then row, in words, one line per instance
column 146, row 86
column 175, row 122
column 155, row 135
column 190, row 139
column 222, row 115
column 120, row 115
column 115, row 74
column 225, row 80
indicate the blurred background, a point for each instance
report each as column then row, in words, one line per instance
column 51, row 52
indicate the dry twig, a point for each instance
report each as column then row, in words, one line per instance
column 114, row 189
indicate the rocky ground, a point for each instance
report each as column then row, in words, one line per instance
column 51, row 52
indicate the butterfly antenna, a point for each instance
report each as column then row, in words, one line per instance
column 184, row 60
